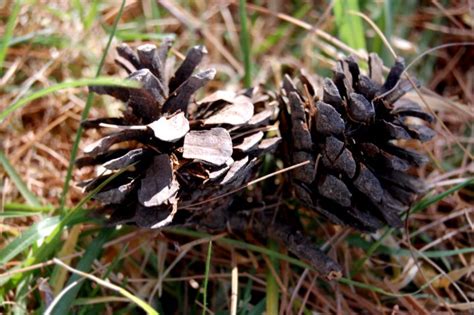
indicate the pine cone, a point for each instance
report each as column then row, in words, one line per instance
column 176, row 152
column 354, row 136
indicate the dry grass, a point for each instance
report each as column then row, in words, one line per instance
column 427, row 268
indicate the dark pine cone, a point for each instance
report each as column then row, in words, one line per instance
column 352, row 134
column 177, row 152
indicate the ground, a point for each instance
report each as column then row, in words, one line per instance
column 51, row 49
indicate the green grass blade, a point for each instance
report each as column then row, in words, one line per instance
column 388, row 17
column 206, row 277
column 259, row 308
column 26, row 208
column 85, row 113
column 247, row 297
column 35, row 233
column 272, row 294
column 245, row 43
column 21, row 294
column 349, row 26
column 281, row 31
column 428, row 201
column 126, row 35
column 17, row 214
column 8, row 32
column 91, row 15
column 65, row 85
column 20, row 185
column 84, row 265
column 384, row 23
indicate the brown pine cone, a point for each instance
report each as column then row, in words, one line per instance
column 177, row 152
column 353, row 130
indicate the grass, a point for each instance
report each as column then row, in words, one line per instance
column 350, row 29
column 61, row 86
column 85, row 112
column 48, row 236
column 206, row 277
column 8, row 32
column 29, row 197
column 245, row 42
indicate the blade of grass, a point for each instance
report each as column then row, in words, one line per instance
column 247, row 296
column 388, row 17
column 78, row 8
column 37, row 232
column 91, row 16
column 349, row 27
column 206, row 277
column 8, row 32
column 272, row 294
column 65, row 85
column 59, row 275
column 32, row 36
column 85, row 113
column 384, row 22
column 259, row 308
column 426, row 202
column 281, row 30
column 126, row 35
column 20, row 185
column 245, row 43
column 21, row 294
column 17, row 214
column 13, row 206
column 156, row 15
